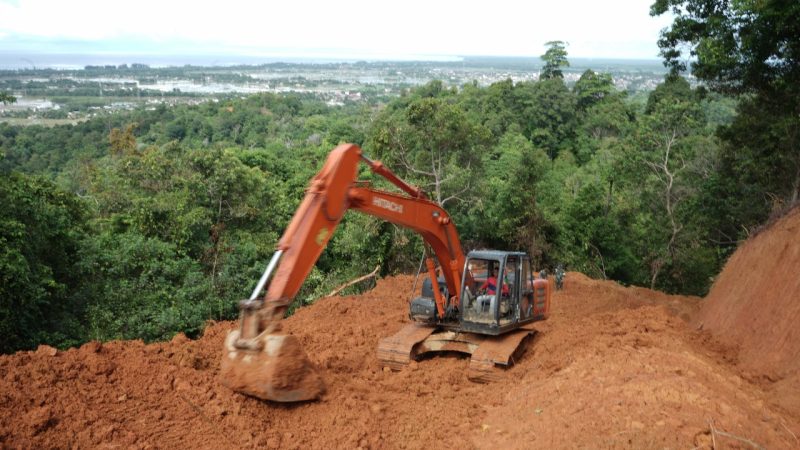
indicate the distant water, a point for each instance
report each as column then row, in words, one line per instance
column 68, row 61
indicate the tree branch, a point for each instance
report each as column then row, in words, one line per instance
column 352, row 282
column 411, row 168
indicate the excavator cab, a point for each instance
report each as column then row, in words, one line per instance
column 499, row 299
column 497, row 292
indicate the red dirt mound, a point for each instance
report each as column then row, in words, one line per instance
column 755, row 305
column 613, row 367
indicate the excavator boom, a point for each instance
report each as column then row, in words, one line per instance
column 262, row 363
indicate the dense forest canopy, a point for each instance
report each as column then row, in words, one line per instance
column 750, row 49
column 144, row 223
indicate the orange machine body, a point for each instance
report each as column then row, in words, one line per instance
column 331, row 193
column 494, row 330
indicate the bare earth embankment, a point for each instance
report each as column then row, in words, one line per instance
column 613, row 367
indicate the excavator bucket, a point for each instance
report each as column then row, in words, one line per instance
column 275, row 369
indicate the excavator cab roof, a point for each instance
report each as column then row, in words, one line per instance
column 493, row 254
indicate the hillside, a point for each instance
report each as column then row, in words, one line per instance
column 613, row 367
column 755, row 305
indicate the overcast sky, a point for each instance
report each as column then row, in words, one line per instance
column 593, row 28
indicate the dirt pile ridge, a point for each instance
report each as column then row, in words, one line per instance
column 755, row 305
column 613, row 367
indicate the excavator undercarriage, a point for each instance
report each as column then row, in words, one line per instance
column 489, row 354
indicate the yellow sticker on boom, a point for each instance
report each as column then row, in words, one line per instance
column 321, row 236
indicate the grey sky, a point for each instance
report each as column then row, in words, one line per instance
column 618, row 29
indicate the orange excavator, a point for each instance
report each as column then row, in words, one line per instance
column 481, row 304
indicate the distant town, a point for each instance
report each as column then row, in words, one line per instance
column 53, row 96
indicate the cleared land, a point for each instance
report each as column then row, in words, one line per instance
column 613, row 367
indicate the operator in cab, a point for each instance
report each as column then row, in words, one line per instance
column 490, row 285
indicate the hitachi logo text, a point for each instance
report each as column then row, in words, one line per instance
column 386, row 204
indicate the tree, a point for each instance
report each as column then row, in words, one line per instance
column 594, row 237
column 7, row 98
column 434, row 142
column 610, row 118
column 509, row 215
column 666, row 147
column 41, row 228
column 762, row 156
column 740, row 46
column 123, row 142
column 674, row 87
column 753, row 48
column 547, row 114
column 554, row 59
column 496, row 107
column 592, row 87
column 156, row 291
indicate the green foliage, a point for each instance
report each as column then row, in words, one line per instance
column 507, row 212
column 750, row 48
column 760, row 154
column 606, row 121
column 496, row 106
column 41, row 229
column 6, row 98
column 431, row 142
column 673, row 88
column 591, row 88
column 547, row 114
column 554, row 59
column 594, row 234
column 667, row 144
column 182, row 206
column 740, row 46
column 141, row 288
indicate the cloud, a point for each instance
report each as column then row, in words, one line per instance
column 501, row 27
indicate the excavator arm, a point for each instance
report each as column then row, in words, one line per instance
column 273, row 367
column 331, row 193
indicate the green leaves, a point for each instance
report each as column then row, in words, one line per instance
column 181, row 211
column 40, row 231
column 739, row 46
column 431, row 142
column 141, row 288
column 508, row 201
column 547, row 114
column 750, row 48
column 554, row 59
column 6, row 98
column 592, row 87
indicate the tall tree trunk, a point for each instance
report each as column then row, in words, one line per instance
column 796, row 183
column 655, row 270
column 667, row 177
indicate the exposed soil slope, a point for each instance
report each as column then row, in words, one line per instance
column 613, row 367
column 755, row 305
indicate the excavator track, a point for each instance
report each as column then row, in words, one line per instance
column 498, row 352
column 489, row 354
column 397, row 351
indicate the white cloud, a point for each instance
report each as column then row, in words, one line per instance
column 502, row 27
